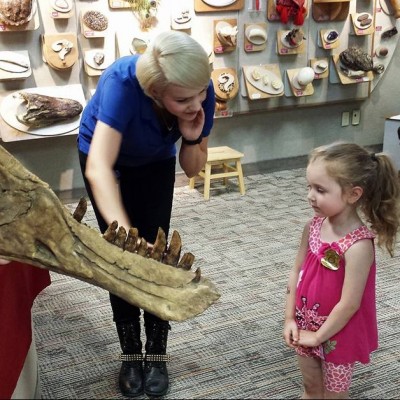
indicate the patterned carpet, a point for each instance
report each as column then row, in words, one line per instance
column 246, row 246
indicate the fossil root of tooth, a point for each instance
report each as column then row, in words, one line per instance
column 37, row 229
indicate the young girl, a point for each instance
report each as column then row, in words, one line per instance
column 330, row 316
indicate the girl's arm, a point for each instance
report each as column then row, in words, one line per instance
column 359, row 259
column 4, row 262
column 103, row 153
column 192, row 158
column 290, row 330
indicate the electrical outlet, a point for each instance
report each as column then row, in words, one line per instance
column 355, row 117
column 345, row 118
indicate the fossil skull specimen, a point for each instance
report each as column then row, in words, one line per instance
column 37, row 229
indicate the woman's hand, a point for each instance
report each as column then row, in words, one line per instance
column 191, row 130
column 291, row 333
column 4, row 262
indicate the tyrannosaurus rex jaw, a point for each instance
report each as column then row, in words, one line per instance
column 37, row 229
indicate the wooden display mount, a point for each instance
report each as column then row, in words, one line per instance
column 11, row 134
column 250, row 47
column 60, row 15
column 31, row 25
column 326, row 45
column 220, row 48
column 252, row 92
column 362, row 32
column 219, row 94
column 52, row 58
column 321, row 75
column 15, row 76
column 89, row 33
column 306, row 91
column 201, row 6
column 119, row 4
column 330, row 10
column 284, row 50
column 345, row 80
column 272, row 14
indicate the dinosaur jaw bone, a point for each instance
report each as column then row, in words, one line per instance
column 37, row 229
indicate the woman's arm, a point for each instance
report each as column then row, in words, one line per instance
column 103, row 153
column 290, row 331
column 192, row 158
column 359, row 259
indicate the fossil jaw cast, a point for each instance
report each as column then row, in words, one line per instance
column 37, row 229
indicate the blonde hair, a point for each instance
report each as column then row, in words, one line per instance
column 173, row 58
column 352, row 165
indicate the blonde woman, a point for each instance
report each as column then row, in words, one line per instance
column 142, row 106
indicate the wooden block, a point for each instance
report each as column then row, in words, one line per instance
column 256, row 94
column 298, row 91
column 345, row 80
column 201, row 6
column 284, row 50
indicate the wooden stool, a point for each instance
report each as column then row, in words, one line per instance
column 223, row 158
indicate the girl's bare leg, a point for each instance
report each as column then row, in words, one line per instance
column 311, row 370
column 336, row 395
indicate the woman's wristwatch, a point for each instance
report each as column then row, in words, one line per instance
column 192, row 142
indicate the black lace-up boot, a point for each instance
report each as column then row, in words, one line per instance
column 156, row 382
column 131, row 374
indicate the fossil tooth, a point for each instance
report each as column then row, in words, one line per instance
column 186, row 261
column 159, row 245
column 132, row 240
column 111, row 232
column 142, row 249
column 80, row 210
column 120, row 237
column 197, row 275
column 171, row 256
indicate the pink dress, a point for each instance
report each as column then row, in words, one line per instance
column 319, row 290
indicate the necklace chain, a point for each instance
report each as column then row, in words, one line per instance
column 168, row 126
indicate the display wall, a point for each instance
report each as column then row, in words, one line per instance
column 124, row 25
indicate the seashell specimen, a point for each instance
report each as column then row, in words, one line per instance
column 295, row 37
column 63, row 6
column 98, row 58
column 44, row 110
column 15, row 12
column 276, row 84
column 13, row 62
column 95, row 20
column 255, row 74
column 362, row 17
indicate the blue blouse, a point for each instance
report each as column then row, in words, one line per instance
column 120, row 102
